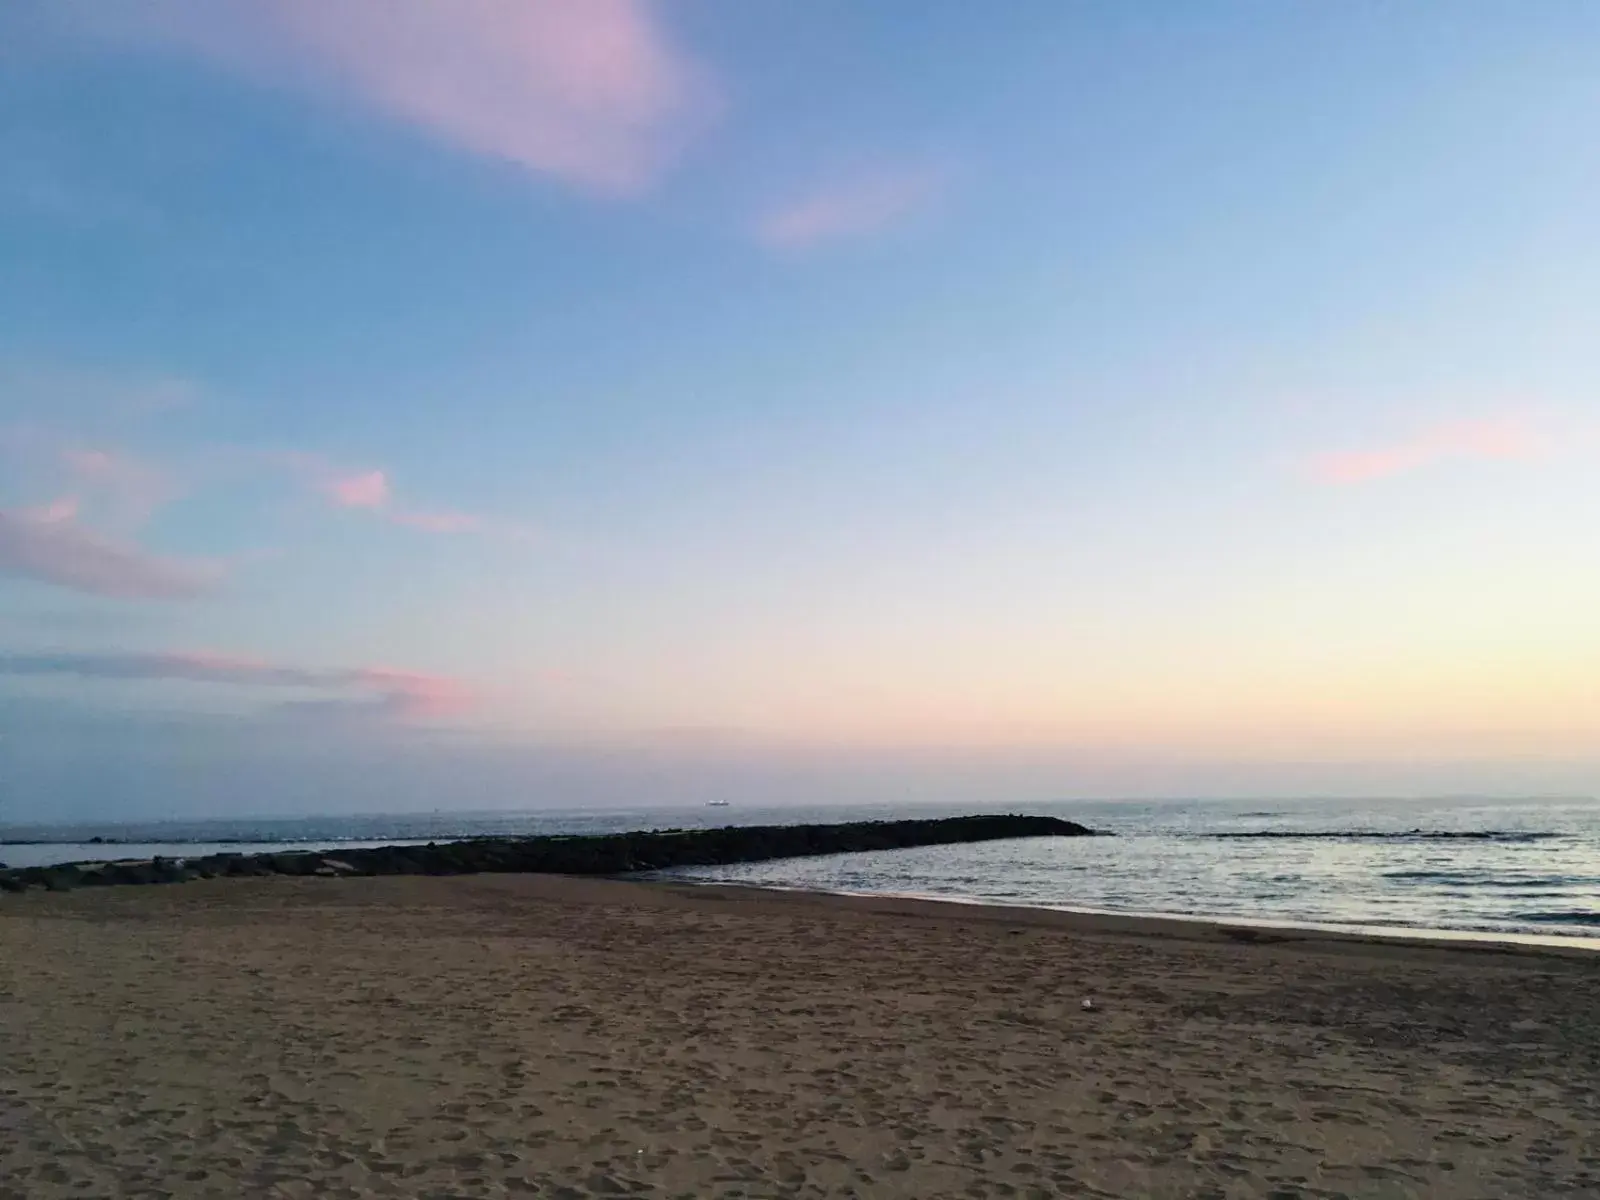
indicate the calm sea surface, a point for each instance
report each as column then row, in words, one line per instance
column 1502, row 867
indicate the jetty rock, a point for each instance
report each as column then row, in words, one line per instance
column 604, row 854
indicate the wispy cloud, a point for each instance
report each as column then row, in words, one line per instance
column 112, row 482
column 1502, row 438
column 49, row 545
column 595, row 92
column 83, row 539
column 125, row 489
column 368, row 489
column 109, row 488
column 413, row 695
column 383, row 691
column 89, row 499
column 847, row 208
column 372, row 491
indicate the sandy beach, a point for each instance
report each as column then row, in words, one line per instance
column 534, row 1036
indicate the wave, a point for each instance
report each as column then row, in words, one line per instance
column 1373, row 835
column 1571, row 916
column 1477, row 880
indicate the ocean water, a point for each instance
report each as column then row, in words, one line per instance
column 1524, row 868
column 1529, row 867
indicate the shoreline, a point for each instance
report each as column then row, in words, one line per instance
column 1472, row 882
column 1157, row 923
column 1182, row 926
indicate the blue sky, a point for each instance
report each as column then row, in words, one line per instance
column 605, row 398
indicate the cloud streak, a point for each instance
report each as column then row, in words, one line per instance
column 379, row 691
column 372, row 491
column 846, row 209
column 112, row 488
column 369, row 489
column 1501, row 439
column 126, row 489
column 49, row 546
column 594, row 92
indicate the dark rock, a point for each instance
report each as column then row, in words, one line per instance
column 130, row 873
column 609, row 854
column 619, row 854
column 298, row 862
column 61, row 879
column 171, row 870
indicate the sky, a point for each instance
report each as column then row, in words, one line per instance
column 513, row 403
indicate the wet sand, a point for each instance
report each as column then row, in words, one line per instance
column 533, row 1036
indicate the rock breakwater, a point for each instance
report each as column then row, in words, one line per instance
column 608, row 854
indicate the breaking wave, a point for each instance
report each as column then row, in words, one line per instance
column 1374, row 835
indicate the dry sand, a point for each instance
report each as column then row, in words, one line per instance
column 511, row 1036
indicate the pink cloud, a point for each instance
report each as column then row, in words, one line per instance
column 384, row 691
column 594, row 92
column 54, row 513
column 409, row 694
column 369, row 489
column 127, row 490
column 372, row 491
column 49, row 546
column 82, row 540
column 849, row 209
column 1502, row 439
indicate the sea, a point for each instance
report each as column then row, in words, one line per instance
column 1526, row 869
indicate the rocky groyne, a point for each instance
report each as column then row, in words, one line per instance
column 607, row 854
